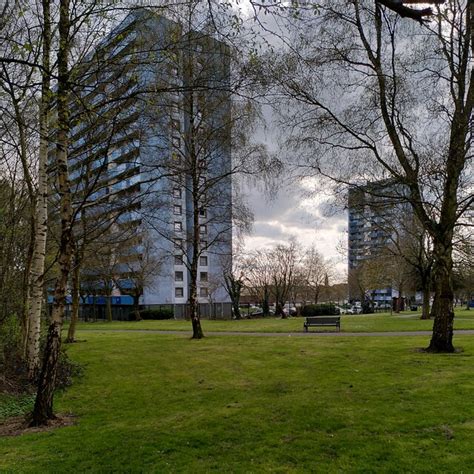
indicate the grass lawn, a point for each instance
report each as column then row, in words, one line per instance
column 165, row 403
column 406, row 321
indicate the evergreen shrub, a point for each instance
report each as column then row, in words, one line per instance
column 156, row 314
column 326, row 309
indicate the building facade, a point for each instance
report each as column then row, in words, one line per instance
column 151, row 158
column 376, row 213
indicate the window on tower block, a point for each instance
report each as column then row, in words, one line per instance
column 203, row 276
column 203, row 261
column 177, row 193
column 178, row 226
column 179, row 292
column 178, row 210
column 203, row 292
column 178, row 276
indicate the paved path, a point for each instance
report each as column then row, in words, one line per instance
column 459, row 332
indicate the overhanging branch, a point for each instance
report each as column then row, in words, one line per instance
column 398, row 6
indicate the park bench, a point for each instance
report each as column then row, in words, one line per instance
column 322, row 321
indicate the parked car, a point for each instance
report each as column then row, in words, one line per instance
column 292, row 311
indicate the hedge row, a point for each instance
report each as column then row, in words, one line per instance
column 319, row 310
column 159, row 313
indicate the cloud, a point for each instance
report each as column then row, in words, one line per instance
column 305, row 218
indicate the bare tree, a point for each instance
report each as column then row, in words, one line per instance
column 413, row 245
column 19, row 79
column 463, row 269
column 315, row 271
column 206, row 147
column 258, row 278
column 284, row 260
column 43, row 409
column 234, row 280
column 14, row 229
column 139, row 266
column 386, row 126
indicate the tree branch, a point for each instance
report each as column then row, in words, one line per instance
column 407, row 12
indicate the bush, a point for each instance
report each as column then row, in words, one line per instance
column 319, row 310
column 13, row 370
column 67, row 370
column 367, row 307
column 17, row 405
column 157, row 314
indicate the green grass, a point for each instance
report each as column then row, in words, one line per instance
column 165, row 403
column 406, row 321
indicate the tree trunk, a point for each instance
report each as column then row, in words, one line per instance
column 41, row 218
column 316, row 297
column 94, row 308
column 196, row 205
column 279, row 310
column 236, row 307
column 136, row 307
column 425, row 312
column 399, row 301
column 234, row 287
column 235, row 297
column 108, row 303
column 43, row 409
column 194, row 307
column 75, row 302
column 193, row 300
column 265, row 304
column 85, row 309
column 25, row 317
column 442, row 310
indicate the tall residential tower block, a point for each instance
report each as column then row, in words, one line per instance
column 151, row 160
column 378, row 212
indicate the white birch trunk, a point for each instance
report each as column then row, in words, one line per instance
column 39, row 252
column 41, row 221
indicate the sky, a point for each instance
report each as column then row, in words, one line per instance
column 303, row 209
column 292, row 214
column 299, row 209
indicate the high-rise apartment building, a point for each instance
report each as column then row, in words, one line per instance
column 376, row 211
column 152, row 153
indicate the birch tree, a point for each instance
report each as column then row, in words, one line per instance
column 21, row 68
column 41, row 214
column 43, row 408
